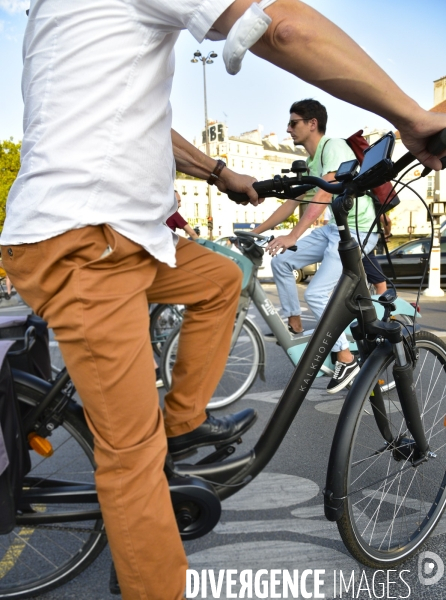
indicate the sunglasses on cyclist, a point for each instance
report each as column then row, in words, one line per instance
column 293, row 122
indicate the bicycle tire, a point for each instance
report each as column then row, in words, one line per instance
column 241, row 370
column 390, row 505
column 37, row 559
column 163, row 320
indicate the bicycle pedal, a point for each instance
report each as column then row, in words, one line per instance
column 183, row 454
column 217, row 456
column 227, row 444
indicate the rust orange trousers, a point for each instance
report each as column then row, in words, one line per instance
column 97, row 307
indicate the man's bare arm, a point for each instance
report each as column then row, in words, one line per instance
column 305, row 43
column 282, row 213
column 314, row 211
column 192, row 161
column 190, row 232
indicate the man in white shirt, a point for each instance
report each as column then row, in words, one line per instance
column 86, row 246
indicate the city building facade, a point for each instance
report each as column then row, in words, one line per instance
column 250, row 153
column 264, row 156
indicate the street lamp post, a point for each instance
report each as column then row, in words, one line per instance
column 206, row 60
column 437, row 209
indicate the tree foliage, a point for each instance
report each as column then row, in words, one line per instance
column 291, row 221
column 9, row 168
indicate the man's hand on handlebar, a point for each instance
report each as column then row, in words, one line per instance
column 236, row 182
column 281, row 243
column 415, row 137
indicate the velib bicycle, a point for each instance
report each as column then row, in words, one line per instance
column 163, row 320
column 386, row 478
column 246, row 360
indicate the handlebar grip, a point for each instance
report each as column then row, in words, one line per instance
column 237, row 197
column 263, row 189
column 402, row 163
column 437, row 143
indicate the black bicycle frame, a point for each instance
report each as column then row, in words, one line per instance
column 343, row 303
column 350, row 300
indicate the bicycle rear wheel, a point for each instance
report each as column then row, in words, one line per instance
column 163, row 320
column 391, row 503
column 39, row 557
column 241, row 369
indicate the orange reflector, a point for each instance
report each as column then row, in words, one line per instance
column 40, row 445
column 444, row 422
column 381, row 381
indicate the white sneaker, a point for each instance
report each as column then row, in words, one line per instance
column 159, row 381
column 344, row 373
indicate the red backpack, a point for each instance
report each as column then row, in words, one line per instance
column 383, row 195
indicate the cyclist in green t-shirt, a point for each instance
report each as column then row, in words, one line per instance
column 307, row 126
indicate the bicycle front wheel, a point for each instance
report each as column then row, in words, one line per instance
column 241, row 369
column 36, row 558
column 392, row 502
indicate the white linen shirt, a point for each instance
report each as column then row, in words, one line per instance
column 97, row 147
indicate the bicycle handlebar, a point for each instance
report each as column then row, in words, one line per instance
column 437, row 143
column 293, row 187
column 268, row 188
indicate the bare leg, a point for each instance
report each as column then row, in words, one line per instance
column 296, row 324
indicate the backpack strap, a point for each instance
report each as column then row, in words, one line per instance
column 322, row 153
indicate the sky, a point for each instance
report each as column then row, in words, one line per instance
column 405, row 37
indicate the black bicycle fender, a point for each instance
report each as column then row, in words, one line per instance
column 43, row 387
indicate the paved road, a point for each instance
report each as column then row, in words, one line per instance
column 277, row 522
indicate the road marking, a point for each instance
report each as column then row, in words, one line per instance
column 276, row 554
column 14, row 551
column 272, row 397
column 316, row 527
column 272, row 490
column 334, row 407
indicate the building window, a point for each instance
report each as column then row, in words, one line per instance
column 430, row 187
column 196, row 209
column 233, row 162
column 184, row 190
column 243, row 164
column 238, row 148
column 195, row 190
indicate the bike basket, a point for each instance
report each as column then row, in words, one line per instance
column 14, row 455
column 33, row 358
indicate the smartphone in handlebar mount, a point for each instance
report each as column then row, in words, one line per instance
column 377, row 163
column 347, row 170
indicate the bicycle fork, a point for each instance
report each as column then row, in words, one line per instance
column 403, row 376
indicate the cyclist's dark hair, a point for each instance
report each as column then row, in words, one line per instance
column 311, row 109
